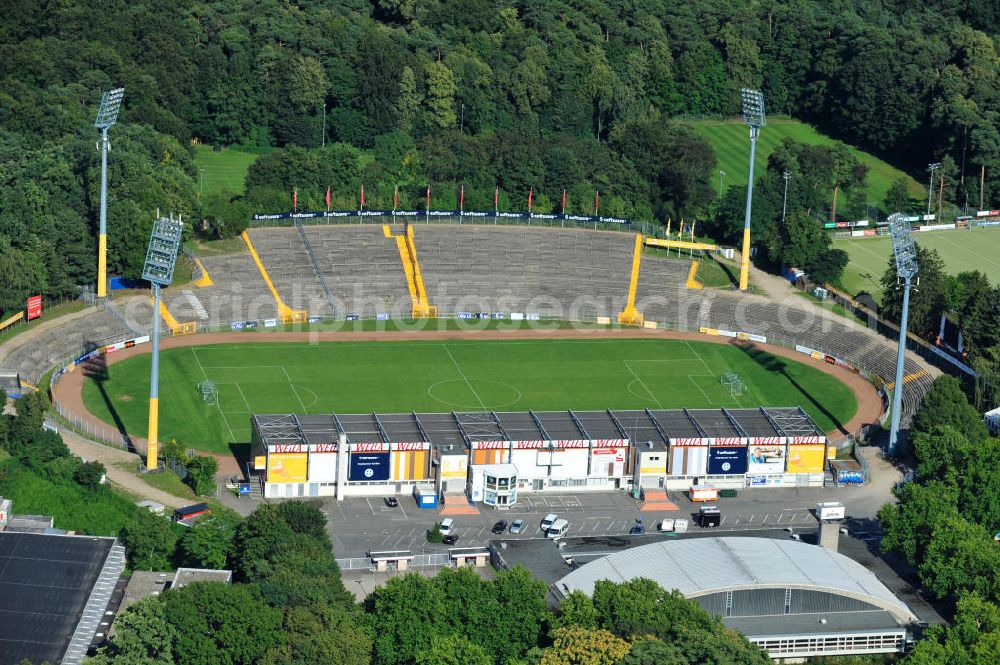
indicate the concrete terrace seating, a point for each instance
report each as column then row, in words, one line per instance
column 238, row 293
column 288, row 265
column 39, row 352
column 362, row 268
column 552, row 272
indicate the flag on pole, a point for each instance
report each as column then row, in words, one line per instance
column 496, row 200
column 395, row 198
column 295, row 199
column 362, row 196
column 327, row 198
column 564, row 202
column 597, row 201
column 530, row 192
column 428, row 197
column 461, row 200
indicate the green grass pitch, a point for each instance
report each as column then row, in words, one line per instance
column 975, row 249
column 225, row 171
column 730, row 140
column 445, row 376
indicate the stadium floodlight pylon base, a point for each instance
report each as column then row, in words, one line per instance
column 631, row 317
column 424, row 311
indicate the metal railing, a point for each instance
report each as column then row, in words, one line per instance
column 316, row 269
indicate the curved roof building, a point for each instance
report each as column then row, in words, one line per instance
column 791, row 598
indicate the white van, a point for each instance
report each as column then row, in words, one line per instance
column 446, row 526
column 558, row 529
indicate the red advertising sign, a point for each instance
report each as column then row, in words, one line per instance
column 34, row 307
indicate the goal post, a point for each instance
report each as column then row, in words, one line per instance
column 732, row 383
column 209, row 392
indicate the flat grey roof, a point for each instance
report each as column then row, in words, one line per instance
column 798, row 625
column 463, row 428
column 701, row 566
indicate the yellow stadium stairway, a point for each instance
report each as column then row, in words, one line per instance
column 285, row 313
column 909, row 377
column 630, row 316
column 422, row 309
column 692, row 282
column 176, row 327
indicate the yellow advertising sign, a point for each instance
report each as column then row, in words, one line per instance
column 287, row 468
column 806, row 458
column 453, row 466
column 259, row 462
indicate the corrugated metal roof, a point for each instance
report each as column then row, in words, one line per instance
column 708, row 565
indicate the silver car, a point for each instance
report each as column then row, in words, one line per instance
column 517, row 526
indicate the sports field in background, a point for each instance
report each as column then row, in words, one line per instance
column 974, row 249
column 351, row 377
column 730, row 140
column 225, row 171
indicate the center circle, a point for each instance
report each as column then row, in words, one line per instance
column 461, row 393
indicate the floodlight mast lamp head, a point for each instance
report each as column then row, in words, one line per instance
column 753, row 108
column 903, row 247
column 107, row 114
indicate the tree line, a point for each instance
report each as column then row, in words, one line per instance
column 943, row 523
column 521, row 94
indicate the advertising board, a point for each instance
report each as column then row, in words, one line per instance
column 369, row 466
column 806, row 459
column 34, row 307
column 727, row 460
column 287, row 467
column 766, row 458
column 688, row 461
column 323, row 467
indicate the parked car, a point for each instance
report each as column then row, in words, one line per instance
column 391, row 501
column 517, row 526
column 548, row 521
column 446, row 526
column 451, row 539
column 500, row 527
column 638, row 528
column 558, row 529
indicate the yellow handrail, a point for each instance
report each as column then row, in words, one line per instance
column 630, row 315
column 285, row 313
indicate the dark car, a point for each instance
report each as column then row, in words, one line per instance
column 500, row 526
column 391, row 501
column 450, row 540
column 638, row 528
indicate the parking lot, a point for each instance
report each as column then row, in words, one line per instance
column 361, row 525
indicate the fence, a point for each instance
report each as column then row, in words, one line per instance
column 418, row 561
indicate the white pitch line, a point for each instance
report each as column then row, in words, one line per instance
column 294, row 391
column 467, row 382
column 249, row 410
column 642, row 383
column 194, row 352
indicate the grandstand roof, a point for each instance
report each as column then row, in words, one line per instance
column 462, row 429
column 702, row 566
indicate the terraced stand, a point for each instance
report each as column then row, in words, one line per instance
column 288, row 265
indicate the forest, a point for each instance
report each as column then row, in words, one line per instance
column 543, row 95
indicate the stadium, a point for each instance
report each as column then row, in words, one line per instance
column 452, row 316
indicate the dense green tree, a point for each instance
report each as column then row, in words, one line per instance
column 143, row 636
column 452, row 649
column 89, row 474
column 201, row 474
column 149, row 541
column 945, row 404
column 209, row 543
column 907, row 524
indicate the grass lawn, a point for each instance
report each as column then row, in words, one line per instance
column 225, row 171
column 730, row 140
column 352, row 377
column 100, row 512
column 975, row 249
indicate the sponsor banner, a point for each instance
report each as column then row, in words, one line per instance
column 259, row 462
column 287, row 448
column 766, row 441
column 766, row 481
column 370, row 447
column 236, row 325
column 708, row 331
column 454, row 466
column 287, row 468
column 688, row 461
column 804, row 349
column 988, row 213
column 477, row 214
column 270, row 323
column 534, row 317
column 517, row 316
column 352, row 317
column 729, row 441
column 807, row 459
column 689, row 441
column 490, row 445
column 522, row 445
column 604, row 320
column 649, row 324
column 912, row 218
column 983, row 224
column 766, row 459
column 936, row 227
column 928, row 218
column 464, row 315
column 499, row 315
column 727, row 461
column 745, row 336
column 801, row 440
column 727, row 333
column 34, row 307
column 382, row 317
column 541, row 215
column 963, row 218
column 369, row 466
column 613, row 220
column 323, row 467
column 315, row 319
column 323, row 448
column 411, row 445
column 250, row 324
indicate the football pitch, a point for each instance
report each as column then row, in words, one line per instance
column 974, row 249
column 361, row 377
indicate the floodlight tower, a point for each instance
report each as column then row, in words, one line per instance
column 754, row 117
column 906, row 268
column 930, row 184
column 784, row 201
column 107, row 115
column 158, row 270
